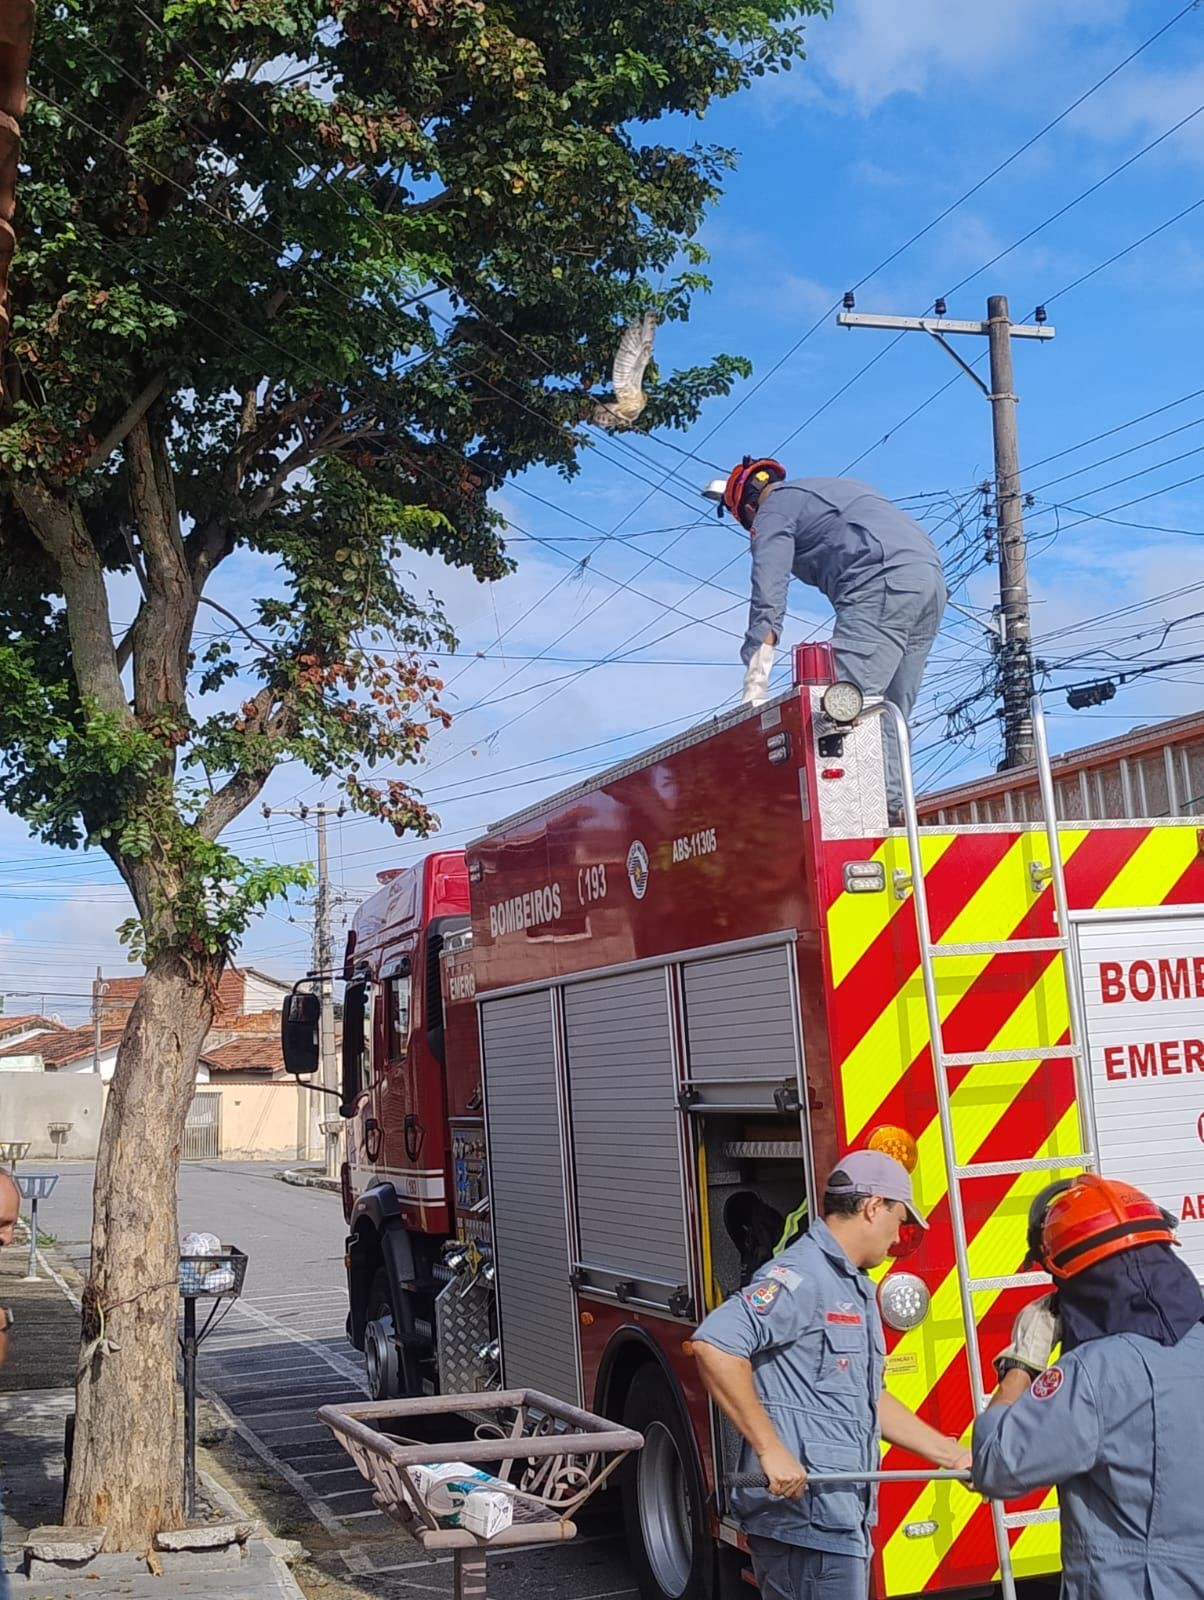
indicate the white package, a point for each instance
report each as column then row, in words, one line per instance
column 444, row 1486
column 486, row 1512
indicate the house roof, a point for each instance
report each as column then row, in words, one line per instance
column 120, row 993
column 24, row 1024
column 62, row 1046
column 254, row 1053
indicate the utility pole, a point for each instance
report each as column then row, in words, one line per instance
column 323, row 968
column 1016, row 662
column 99, row 989
column 1015, row 658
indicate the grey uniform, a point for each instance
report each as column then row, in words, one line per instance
column 809, row 1325
column 876, row 565
column 1119, row 1425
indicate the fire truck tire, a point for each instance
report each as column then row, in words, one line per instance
column 664, row 1503
column 381, row 1355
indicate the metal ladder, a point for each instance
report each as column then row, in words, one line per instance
column 942, row 1060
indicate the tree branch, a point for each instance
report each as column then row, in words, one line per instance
column 213, row 605
column 57, row 523
column 164, row 626
column 234, row 796
column 309, row 450
column 134, row 413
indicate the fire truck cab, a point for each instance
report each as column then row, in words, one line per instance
column 597, row 1067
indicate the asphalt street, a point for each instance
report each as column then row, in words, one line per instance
column 281, row 1351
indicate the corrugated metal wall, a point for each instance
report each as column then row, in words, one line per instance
column 739, row 1017
column 535, row 1300
column 624, row 1125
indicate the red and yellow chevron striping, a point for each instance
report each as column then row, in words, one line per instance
column 981, row 888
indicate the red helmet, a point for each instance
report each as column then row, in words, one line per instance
column 1094, row 1218
column 744, row 485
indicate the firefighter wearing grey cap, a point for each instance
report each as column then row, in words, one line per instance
column 876, row 565
column 796, row 1361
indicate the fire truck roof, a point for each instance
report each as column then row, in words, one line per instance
column 636, row 763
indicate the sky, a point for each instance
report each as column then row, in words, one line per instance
column 901, row 111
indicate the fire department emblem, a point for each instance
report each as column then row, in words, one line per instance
column 1047, row 1383
column 762, row 1296
column 637, row 869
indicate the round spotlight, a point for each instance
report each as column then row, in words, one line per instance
column 903, row 1300
column 842, row 702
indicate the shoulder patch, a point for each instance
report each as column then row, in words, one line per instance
column 786, row 1276
column 1047, row 1383
column 761, row 1296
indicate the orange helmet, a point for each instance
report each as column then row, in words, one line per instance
column 744, row 484
column 1094, row 1218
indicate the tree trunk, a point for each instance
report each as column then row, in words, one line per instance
column 126, row 1390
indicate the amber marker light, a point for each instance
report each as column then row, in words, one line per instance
column 895, row 1142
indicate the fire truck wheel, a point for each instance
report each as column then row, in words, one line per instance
column 664, row 1506
column 380, row 1345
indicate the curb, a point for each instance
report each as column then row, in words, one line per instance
column 268, row 1556
column 56, row 1265
column 311, row 1180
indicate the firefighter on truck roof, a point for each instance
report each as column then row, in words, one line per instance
column 796, row 1361
column 1118, row 1423
column 875, row 564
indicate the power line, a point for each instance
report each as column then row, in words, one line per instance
column 1120, row 427
column 1127, row 250
column 1085, row 194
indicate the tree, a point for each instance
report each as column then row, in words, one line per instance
column 298, row 283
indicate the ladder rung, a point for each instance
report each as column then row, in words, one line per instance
column 1002, row 1169
column 1027, row 1519
column 974, row 1058
column 997, row 947
column 1012, row 1280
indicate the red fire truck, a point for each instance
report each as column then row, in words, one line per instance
column 593, row 1066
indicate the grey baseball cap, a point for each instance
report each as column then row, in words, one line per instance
column 867, row 1172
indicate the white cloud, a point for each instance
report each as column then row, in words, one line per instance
column 1140, row 104
column 871, row 50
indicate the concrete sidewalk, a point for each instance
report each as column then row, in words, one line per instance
column 36, row 1397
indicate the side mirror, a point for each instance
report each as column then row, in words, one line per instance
column 299, row 1018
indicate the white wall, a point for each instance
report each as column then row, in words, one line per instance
column 84, row 1065
column 261, row 996
column 31, row 1101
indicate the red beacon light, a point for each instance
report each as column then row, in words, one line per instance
column 814, row 663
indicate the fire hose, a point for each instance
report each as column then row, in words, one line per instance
column 758, row 1480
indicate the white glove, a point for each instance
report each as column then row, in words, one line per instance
column 1034, row 1333
column 756, row 678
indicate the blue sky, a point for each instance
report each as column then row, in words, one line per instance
column 902, row 106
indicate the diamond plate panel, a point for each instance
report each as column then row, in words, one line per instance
column 462, row 1325
column 852, row 806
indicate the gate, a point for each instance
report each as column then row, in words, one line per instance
column 203, row 1128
